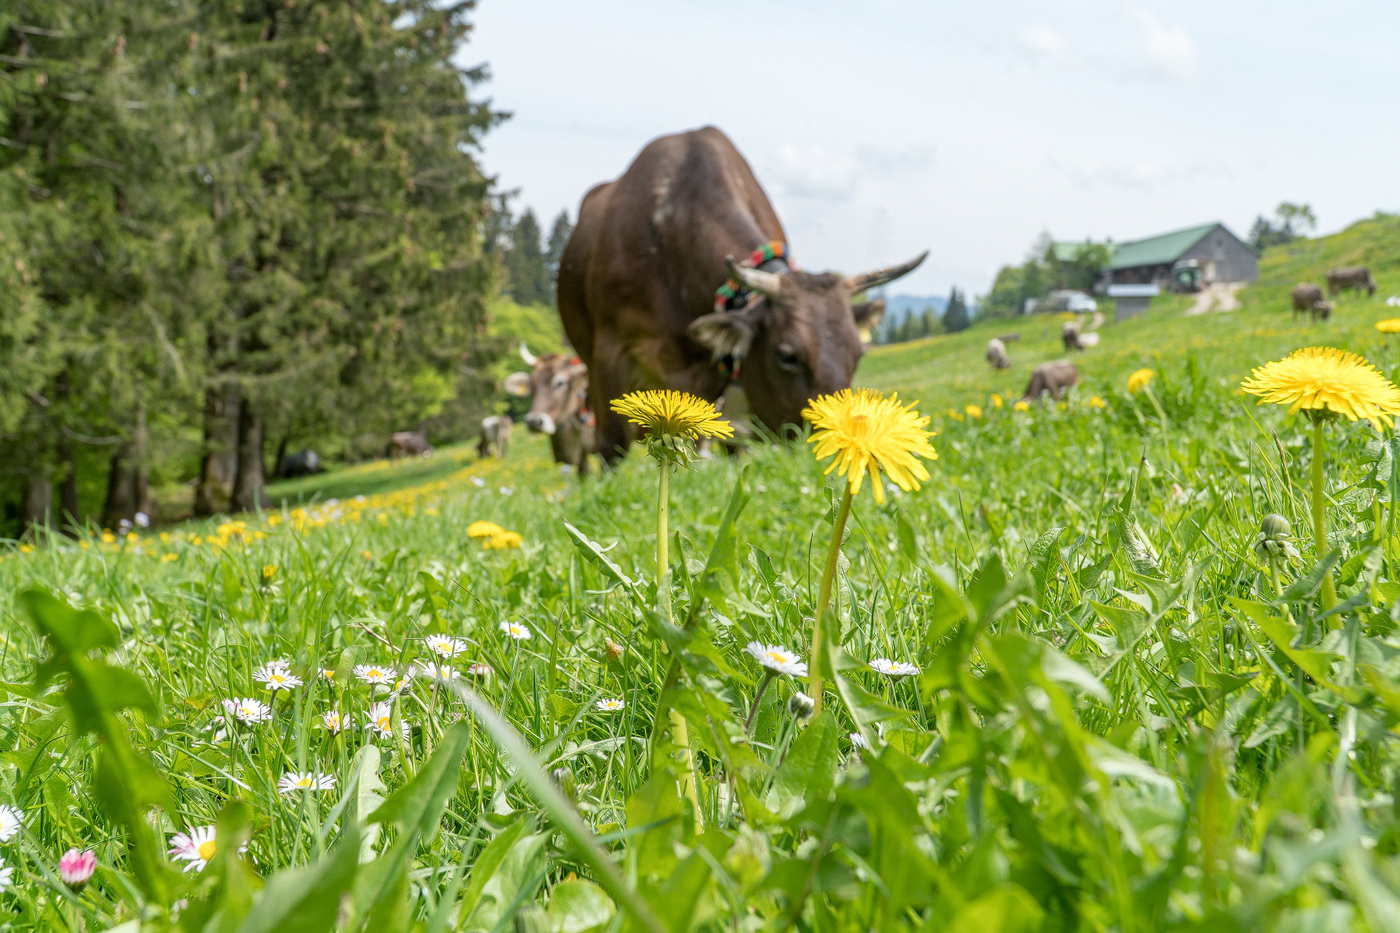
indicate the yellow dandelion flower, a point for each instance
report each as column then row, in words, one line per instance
column 483, row 529
column 673, row 414
column 1327, row 379
column 169, row 557
column 1096, row 402
column 974, row 411
column 1140, row 379
column 997, row 400
column 1022, row 405
column 867, row 432
column 1389, row 325
column 269, row 571
column 503, row 541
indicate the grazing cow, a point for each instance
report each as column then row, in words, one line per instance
column 1056, row 378
column 651, row 298
column 304, row 462
column 495, row 436
column 1307, row 299
column 996, row 354
column 1009, row 338
column 1355, row 277
column 559, row 408
column 408, row 444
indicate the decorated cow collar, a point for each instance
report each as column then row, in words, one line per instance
column 733, row 296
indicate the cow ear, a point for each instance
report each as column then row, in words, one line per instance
column 869, row 314
column 517, row 384
column 725, row 333
column 576, row 371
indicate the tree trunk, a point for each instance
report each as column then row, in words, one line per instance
column 217, row 465
column 248, row 480
column 36, row 511
column 121, row 488
column 68, row 486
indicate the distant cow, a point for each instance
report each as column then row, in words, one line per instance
column 559, row 408
column 1356, row 277
column 304, row 462
column 1056, row 378
column 408, row 444
column 1307, row 299
column 996, row 354
column 1074, row 340
column 495, row 436
column 1009, row 338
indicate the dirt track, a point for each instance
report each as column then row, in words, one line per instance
column 1219, row 297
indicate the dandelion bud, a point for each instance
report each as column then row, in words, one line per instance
column 1275, row 537
column 801, row 705
column 564, row 780
column 76, row 868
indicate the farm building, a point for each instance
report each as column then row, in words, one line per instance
column 1218, row 254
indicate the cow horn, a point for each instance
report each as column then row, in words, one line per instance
column 765, row 283
column 525, row 354
column 868, row 280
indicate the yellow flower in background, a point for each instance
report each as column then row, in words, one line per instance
column 1096, row 402
column 1140, row 380
column 866, row 432
column 503, row 541
column 997, row 400
column 482, row 529
column 1022, row 405
column 1389, row 325
column 367, row 554
column 168, row 557
column 672, row 414
column 268, row 572
column 1327, row 379
column 974, row 411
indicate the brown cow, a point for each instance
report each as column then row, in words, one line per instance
column 1356, row 277
column 1307, row 299
column 559, row 408
column 638, row 287
column 1056, row 378
column 408, row 444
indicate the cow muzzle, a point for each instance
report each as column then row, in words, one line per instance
column 539, row 423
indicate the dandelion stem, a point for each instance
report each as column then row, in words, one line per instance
column 680, row 732
column 1319, row 511
column 833, row 552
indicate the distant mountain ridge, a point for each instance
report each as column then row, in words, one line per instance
column 898, row 307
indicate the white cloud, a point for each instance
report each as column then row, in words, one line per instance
column 1170, row 49
column 811, row 172
column 1044, row 42
column 1146, row 175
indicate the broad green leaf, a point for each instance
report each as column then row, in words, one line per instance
column 417, row 806
column 809, row 771
column 307, row 899
column 69, row 631
column 579, row 906
column 369, row 795
column 599, row 557
column 1006, row 908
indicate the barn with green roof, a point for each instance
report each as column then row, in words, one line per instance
column 1220, row 255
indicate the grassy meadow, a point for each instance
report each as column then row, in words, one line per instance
column 1126, row 715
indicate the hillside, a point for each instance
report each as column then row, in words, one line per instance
column 948, row 371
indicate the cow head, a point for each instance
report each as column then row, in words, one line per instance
column 559, row 385
column 801, row 340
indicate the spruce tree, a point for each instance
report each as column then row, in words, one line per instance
column 955, row 315
column 559, row 233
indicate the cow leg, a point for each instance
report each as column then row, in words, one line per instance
column 608, row 379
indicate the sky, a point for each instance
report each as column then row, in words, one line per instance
column 883, row 128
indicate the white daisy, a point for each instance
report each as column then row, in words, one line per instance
column 516, row 630
column 5, row 872
column 11, row 822
column 893, row 668
column 776, row 659
column 374, row 674
column 276, row 678
column 246, row 709
column 331, row 721
column 276, row 664
column 439, row 673
column 196, row 847
column 381, row 721
column 610, row 705
column 858, row 741
column 445, row 646
column 294, row 781
column 480, row 669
